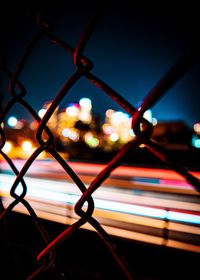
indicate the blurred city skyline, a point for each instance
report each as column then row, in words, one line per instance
column 131, row 48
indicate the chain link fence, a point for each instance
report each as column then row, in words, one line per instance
column 46, row 142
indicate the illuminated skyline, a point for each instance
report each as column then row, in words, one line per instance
column 146, row 40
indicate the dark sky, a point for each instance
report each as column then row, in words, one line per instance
column 132, row 47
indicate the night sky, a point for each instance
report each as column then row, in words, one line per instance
column 132, row 47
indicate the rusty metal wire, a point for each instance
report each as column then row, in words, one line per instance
column 140, row 125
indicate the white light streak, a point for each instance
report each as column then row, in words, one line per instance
column 59, row 192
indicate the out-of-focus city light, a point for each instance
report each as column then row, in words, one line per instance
column 91, row 140
column 154, row 121
column 85, row 110
column 148, row 115
column 7, row 147
column 196, row 141
column 73, row 123
column 12, row 121
column 117, row 126
column 197, row 128
column 118, row 117
column 108, row 129
column 27, row 146
column 85, row 103
column 109, row 112
column 70, row 133
column 72, row 110
column 114, row 137
column 33, row 125
column 66, row 132
column 19, row 124
column 42, row 112
column 85, row 117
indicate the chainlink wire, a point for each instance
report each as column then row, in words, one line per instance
column 140, row 125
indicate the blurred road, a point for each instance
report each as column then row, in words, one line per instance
column 152, row 205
